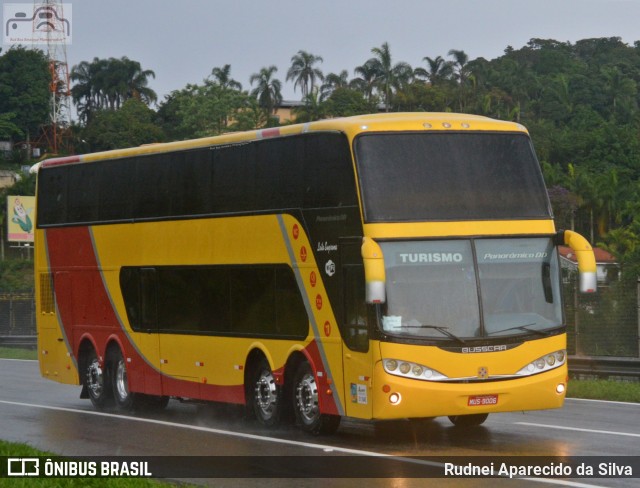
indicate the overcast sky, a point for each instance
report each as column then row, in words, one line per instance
column 182, row 40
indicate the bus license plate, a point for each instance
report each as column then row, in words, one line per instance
column 482, row 400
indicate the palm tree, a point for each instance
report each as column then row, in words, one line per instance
column 223, row 78
column 268, row 91
column 365, row 80
column 303, row 73
column 438, row 70
column 461, row 71
column 332, row 82
column 136, row 82
column 388, row 75
column 107, row 83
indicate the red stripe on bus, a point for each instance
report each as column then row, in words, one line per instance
column 275, row 132
column 327, row 401
column 85, row 310
column 61, row 161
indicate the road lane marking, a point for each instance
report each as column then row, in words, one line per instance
column 323, row 447
column 591, row 431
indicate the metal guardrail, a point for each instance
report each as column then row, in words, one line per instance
column 604, row 367
column 601, row 367
column 28, row 341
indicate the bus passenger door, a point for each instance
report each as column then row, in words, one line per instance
column 356, row 350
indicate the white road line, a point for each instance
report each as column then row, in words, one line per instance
column 602, row 401
column 591, row 431
column 323, row 447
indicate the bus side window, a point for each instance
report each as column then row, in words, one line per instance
column 355, row 330
column 148, row 299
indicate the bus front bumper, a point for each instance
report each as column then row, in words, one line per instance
column 397, row 397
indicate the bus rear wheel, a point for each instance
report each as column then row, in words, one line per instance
column 306, row 404
column 265, row 395
column 468, row 420
column 124, row 398
column 96, row 381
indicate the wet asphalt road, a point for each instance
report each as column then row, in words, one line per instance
column 51, row 417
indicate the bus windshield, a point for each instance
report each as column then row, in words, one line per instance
column 469, row 289
column 418, row 176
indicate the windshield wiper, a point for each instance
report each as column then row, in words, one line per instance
column 439, row 328
column 524, row 327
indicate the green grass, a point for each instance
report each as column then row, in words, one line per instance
column 18, row 353
column 621, row 391
column 12, row 449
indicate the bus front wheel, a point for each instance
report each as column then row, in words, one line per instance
column 306, row 405
column 468, row 420
column 265, row 395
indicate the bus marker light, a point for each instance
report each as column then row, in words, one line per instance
column 329, row 392
column 204, row 380
column 395, row 398
column 199, row 363
column 446, row 125
column 386, row 388
column 426, row 125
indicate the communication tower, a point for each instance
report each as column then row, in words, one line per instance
column 49, row 20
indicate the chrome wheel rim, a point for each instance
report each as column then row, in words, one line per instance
column 122, row 387
column 266, row 394
column 307, row 399
column 95, row 378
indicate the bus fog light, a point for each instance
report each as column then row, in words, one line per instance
column 395, row 398
column 560, row 389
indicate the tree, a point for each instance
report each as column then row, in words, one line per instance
column 131, row 125
column 303, row 73
column 268, row 90
column 223, row 78
column 438, row 70
column 365, row 80
column 388, row 75
column 108, row 83
column 461, row 73
column 332, row 82
column 24, row 91
column 7, row 128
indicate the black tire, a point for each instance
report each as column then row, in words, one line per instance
column 468, row 420
column 306, row 405
column 264, row 396
column 96, row 381
column 125, row 399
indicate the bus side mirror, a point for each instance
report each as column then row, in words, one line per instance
column 374, row 273
column 584, row 255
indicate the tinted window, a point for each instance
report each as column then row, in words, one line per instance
column 449, row 176
column 308, row 170
column 225, row 300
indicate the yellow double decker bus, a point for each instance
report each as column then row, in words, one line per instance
column 376, row 267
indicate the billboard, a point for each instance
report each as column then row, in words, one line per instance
column 20, row 217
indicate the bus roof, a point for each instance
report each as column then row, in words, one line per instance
column 382, row 122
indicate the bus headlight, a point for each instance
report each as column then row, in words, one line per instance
column 544, row 363
column 407, row 369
